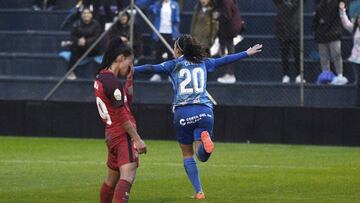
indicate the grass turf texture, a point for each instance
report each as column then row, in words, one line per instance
column 72, row 170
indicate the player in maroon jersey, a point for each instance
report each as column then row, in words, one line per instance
column 123, row 142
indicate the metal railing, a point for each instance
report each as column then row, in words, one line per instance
column 133, row 8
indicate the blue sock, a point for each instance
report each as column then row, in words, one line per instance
column 193, row 173
column 202, row 154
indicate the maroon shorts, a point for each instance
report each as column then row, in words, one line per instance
column 121, row 150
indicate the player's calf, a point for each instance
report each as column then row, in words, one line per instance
column 106, row 193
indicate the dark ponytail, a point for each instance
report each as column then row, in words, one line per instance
column 116, row 47
column 191, row 49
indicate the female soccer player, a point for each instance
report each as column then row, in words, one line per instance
column 193, row 115
column 113, row 102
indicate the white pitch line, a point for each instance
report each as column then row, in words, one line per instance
column 160, row 164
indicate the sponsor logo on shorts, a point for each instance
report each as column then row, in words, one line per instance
column 182, row 122
column 193, row 119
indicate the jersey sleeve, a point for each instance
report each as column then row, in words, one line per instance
column 348, row 25
column 113, row 90
column 165, row 67
column 212, row 63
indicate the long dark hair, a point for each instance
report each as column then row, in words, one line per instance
column 116, row 47
column 190, row 48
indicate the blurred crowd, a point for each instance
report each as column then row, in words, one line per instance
column 217, row 25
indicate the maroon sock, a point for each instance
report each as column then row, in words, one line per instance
column 106, row 194
column 122, row 191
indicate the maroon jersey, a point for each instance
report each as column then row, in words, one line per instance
column 113, row 103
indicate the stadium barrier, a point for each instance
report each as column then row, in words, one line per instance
column 252, row 94
column 288, row 125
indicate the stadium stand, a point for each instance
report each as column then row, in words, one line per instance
column 31, row 40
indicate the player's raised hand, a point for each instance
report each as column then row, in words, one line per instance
column 342, row 6
column 255, row 49
column 140, row 146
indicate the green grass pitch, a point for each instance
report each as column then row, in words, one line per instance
column 72, row 170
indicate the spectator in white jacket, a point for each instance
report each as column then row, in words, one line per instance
column 353, row 28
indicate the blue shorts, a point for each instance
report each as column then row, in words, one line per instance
column 191, row 120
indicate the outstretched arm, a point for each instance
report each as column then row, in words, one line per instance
column 165, row 67
column 212, row 63
column 148, row 68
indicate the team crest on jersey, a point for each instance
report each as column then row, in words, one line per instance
column 117, row 94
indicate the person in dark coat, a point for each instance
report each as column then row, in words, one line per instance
column 204, row 24
column 108, row 13
column 83, row 35
column 328, row 32
column 230, row 25
column 122, row 29
column 288, row 33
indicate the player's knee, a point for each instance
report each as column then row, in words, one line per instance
column 129, row 179
column 128, row 174
column 111, row 182
column 187, row 151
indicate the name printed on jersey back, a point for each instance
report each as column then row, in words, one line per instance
column 112, row 103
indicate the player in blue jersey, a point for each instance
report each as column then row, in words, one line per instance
column 193, row 114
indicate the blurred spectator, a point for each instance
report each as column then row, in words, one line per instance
column 122, row 29
column 204, row 25
column 83, row 34
column 328, row 32
column 145, row 4
column 354, row 29
column 43, row 5
column 288, row 32
column 354, row 12
column 94, row 7
column 166, row 21
column 109, row 15
column 75, row 13
column 181, row 5
column 230, row 25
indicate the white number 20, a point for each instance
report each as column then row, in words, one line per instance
column 197, row 76
column 104, row 114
